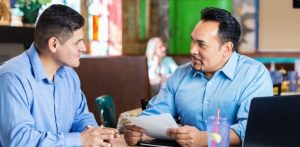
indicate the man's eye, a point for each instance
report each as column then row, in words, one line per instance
column 200, row 44
column 77, row 42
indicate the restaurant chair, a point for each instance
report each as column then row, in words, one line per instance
column 106, row 110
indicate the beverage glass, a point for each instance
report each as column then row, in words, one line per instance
column 218, row 132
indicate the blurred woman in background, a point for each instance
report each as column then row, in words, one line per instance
column 160, row 66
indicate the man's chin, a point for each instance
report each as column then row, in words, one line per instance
column 196, row 67
column 74, row 65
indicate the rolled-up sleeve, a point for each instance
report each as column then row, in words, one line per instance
column 162, row 103
column 260, row 85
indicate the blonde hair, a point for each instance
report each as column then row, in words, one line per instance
column 151, row 46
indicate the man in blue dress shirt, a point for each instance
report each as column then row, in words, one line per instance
column 41, row 103
column 217, row 78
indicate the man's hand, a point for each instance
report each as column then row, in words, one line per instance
column 188, row 136
column 133, row 134
column 98, row 136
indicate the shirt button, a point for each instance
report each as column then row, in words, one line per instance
column 205, row 102
column 209, row 83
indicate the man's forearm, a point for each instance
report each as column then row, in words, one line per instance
column 234, row 138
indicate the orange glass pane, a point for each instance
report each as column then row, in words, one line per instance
column 95, row 27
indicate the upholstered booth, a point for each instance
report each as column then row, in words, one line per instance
column 125, row 78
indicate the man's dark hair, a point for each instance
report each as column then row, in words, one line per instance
column 229, row 28
column 58, row 21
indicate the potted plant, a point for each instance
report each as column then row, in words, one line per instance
column 30, row 8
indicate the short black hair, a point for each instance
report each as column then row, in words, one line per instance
column 58, row 21
column 229, row 27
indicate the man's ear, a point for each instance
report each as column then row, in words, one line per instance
column 53, row 44
column 228, row 47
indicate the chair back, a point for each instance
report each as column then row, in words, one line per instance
column 107, row 112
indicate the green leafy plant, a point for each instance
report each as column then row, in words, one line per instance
column 30, row 8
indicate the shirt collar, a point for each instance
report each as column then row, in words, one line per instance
column 228, row 69
column 196, row 72
column 37, row 66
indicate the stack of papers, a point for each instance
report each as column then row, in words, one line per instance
column 156, row 126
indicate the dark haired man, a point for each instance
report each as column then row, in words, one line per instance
column 41, row 103
column 217, row 77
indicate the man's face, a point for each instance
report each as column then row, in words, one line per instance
column 68, row 53
column 206, row 50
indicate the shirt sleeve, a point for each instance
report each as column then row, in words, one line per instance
column 82, row 115
column 164, row 101
column 17, row 124
column 260, row 85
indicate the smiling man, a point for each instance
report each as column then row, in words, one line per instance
column 41, row 103
column 217, row 77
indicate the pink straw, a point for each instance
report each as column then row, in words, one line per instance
column 216, row 128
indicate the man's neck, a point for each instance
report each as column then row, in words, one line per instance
column 49, row 65
column 209, row 75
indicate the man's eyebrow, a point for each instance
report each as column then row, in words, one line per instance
column 79, row 40
column 198, row 41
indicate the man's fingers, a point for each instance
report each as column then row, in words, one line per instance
column 177, row 131
column 133, row 133
column 100, row 142
column 116, row 135
column 106, row 130
column 180, row 136
column 113, row 129
column 134, row 128
column 182, row 142
column 132, row 140
column 96, row 141
column 106, row 136
column 105, row 144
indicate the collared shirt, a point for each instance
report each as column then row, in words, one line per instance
column 36, row 111
column 190, row 95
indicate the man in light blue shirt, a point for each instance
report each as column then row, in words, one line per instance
column 217, row 78
column 41, row 103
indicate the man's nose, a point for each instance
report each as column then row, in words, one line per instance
column 194, row 51
column 83, row 48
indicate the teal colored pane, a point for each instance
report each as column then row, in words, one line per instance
column 184, row 14
column 276, row 60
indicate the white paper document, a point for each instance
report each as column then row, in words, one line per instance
column 156, row 125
